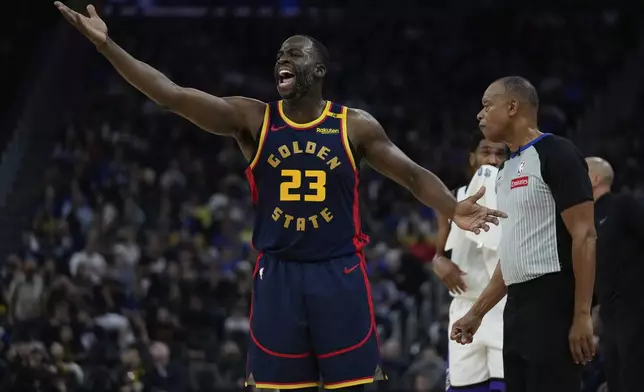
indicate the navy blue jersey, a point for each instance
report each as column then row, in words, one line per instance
column 304, row 185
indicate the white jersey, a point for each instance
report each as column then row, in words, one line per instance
column 476, row 255
column 481, row 361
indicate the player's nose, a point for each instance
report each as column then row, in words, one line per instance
column 282, row 60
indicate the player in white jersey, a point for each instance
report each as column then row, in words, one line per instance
column 477, row 367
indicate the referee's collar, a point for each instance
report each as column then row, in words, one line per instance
column 532, row 142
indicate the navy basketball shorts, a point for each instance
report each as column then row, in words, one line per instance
column 312, row 323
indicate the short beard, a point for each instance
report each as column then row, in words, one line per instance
column 303, row 83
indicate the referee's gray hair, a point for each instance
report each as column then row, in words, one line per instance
column 522, row 89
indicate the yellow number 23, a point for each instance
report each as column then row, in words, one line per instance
column 295, row 182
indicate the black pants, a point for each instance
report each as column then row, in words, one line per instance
column 537, row 319
column 623, row 345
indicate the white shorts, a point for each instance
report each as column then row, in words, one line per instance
column 482, row 359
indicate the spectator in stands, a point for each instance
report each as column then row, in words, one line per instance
column 25, row 300
column 143, row 230
column 162, row 376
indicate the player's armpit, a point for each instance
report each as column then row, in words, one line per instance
column 368, row 136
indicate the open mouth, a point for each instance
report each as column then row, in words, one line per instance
column 286, row 78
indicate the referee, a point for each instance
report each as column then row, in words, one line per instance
column 620, row 267
column 547, row 248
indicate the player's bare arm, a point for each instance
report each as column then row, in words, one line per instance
column 579, row 221
column 445, row 269
column 442, row 233
column 464, row 329
column 231, row 116
column 368, row 136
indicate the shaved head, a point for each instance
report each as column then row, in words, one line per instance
column 601, row 170
column 320, row 50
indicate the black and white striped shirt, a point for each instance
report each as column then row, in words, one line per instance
column 538, row 182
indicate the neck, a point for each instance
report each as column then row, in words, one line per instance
column 304, row 109
column 600, row 191
column 522, row 134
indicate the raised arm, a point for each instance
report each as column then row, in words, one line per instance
column 368, row 136
column 231, row 116
column 385, row 157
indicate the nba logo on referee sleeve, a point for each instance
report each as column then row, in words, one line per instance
column 519, row 182
column 520, row 170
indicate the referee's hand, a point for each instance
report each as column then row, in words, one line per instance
column 581, row 339
column 474, row 217
column 450, row 274
column 463, row 329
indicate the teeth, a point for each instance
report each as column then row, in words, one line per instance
column 284, row 73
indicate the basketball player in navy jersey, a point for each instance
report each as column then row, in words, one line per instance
column 312, row 317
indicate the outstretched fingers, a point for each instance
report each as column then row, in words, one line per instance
column 497, row 213
column 92, row 11
column 71, row 16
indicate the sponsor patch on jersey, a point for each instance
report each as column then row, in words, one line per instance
column 327, row 131
column 519, row 182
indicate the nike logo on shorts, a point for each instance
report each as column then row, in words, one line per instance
column 348, row 270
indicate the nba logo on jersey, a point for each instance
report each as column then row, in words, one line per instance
column 520, row 170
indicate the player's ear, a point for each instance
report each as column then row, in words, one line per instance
column 320, row 70
column 472, row 159
column 513, row 107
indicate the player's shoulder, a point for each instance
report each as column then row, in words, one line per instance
column 250, row 112
column 363, row 127
column 361, row 117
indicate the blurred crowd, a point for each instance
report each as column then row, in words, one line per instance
column 136, row 272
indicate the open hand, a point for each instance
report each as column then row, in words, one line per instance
column 581, row 339
column 92, row 27
column 473, row 217
column 449, row 273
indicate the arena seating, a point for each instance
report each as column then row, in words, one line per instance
column 143, row 230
